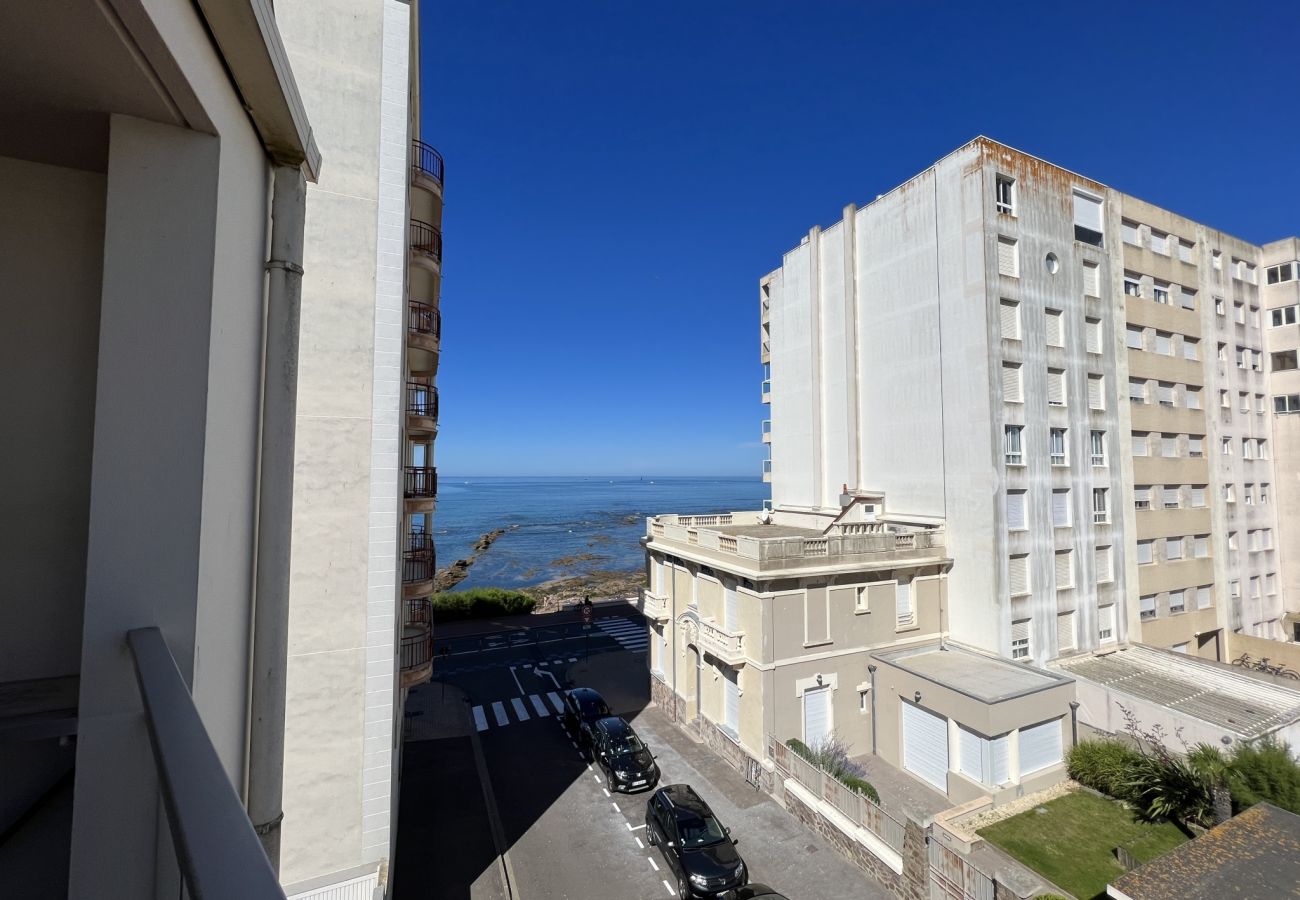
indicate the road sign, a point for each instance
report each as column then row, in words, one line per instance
column 586, row 614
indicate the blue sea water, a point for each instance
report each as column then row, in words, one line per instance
column 559, row 517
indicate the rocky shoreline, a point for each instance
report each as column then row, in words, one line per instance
column 599, row 585
column 454, row 574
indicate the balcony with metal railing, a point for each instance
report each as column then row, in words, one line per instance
column 427, row 166
column 423, row 326
column 420, row 488
column 426, row 243
column 767, row 431
column 415, row 654
column 419, row 564
column 421, row 406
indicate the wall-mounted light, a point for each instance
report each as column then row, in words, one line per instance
column 917, row 696
column 819, row 680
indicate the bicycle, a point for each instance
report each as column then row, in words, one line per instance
column 1263, row 665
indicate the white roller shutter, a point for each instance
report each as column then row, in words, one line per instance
column 971, row 749
column 1060, row 509
column 1018, row 574
column 730, row 612
column 1001, row 748
column 1007, row 257
column 1065, row 631
column 1010, row 312
column 925, row 745
column 1040, row 746
column 1055, row 387
column 1011, row 383
column 731, row 689
column 1095, row 392
column 1087, row 212
column 1016, row 510
column 1091, row 283
column 1064, row 570
column 816, row 715
column 1102, row 564
column 1055, row 333
column 903, row 602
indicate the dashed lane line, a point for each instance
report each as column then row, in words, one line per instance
column 668, row 887
column 654, row 865
column 641, row 846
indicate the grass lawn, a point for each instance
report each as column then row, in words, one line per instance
column 1073, row 842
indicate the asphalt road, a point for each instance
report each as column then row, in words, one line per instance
column 565, row 837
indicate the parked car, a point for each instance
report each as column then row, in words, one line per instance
column 582, row 708
column 700, row 852
column 756, row 891
column 627, row 763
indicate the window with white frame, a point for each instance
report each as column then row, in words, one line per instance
column 1020, row 639
column 1198, row 496
column 1170, row 497
column 1106, row 624
column 1204, row 596
column 1201, row 546
column 1141, row 441
column 1092, row 332
column 1173, row 548
column 1176, row 602
column 1087, row 219
column 1146, row 552
column 1060, row 509
column 1055, row 387
column 1129, row 232
column 1286, row 404
column 1091, row 279
column 1005, row 194
column 1065, row 631
column 1102, row 563
column 1016, row 517
column 1142, row 497
column 904, row 608
column 1009, row 311
column 1160, row 292
column 1159, row 242
column 1011, row 383
column 1064, row 569
column 1096, row 392
column 1100, row 506
column 1018, row 574
column 1057, row 447
column 1288, row 271
column 984, row 760
column 1055, row 328
column 1137, row 390
column 1133, row 337
column 1191, row 348
column 1169, row 445
column 1040, row 747
column 1147, row 606
column 1012, row 445
column 1132, row 286
column 1008, row 257
column 1283, row 315
column 1097, row 440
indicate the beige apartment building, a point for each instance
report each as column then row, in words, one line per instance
column 1067, row 384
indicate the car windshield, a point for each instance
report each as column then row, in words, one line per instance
column 700, row 831
column 592, row 708
column 625, row 743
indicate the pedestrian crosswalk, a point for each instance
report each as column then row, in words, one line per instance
column 632, row 636
column 501, row 710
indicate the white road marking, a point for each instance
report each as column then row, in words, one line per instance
column 671, row 892
column 480, row 720
column 654, row 864
column 573, row 659
column 556, row 701
column 597, row 777
column 606, row 790
column 500, row 712
column 520, row 712
column 641, row 846
column 575, row 744
column 589, row 769
column 538, row 705
column 615, row 805
column 551, row 675
column 517, row 684
column 630, row 828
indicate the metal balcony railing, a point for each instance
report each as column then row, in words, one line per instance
column 422, row 318
column 417, row 650
column 418, row 612
column 421, row 481
column 426, row 161
column 418, row 559
column 217, row 849
column 426, row 240
column 421, row 399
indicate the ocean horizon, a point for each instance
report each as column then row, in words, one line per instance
column 567, row 525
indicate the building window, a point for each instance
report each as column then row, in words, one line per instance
column 1159, row 242
column 1106, row 624
column 1142, row 497
column 1141, row 442
column 1018, row 574
column 1286, row 404
column 1055, row 387
column 1191, row 349
column 1169, row 445
column 1064, row 569
column 1164, row 343
column 1096, row 392
column 1100, row 506
column 1012, row 440
column 1060, row 509
column 1173, row 549
column 1133, row 337
column 1005, row 193
column 1057, row 447
column 1092, row 332
column 1165, row 393
column 1169, row 497
column 1263, row 495
column 1216, row 261
column 1224, row 400
column 1065, row 631
column 1011, row 383
column 1198, row 496
column 1020, row 639
column 1137, row 390
column 1091, row 280
column 1132, row 286
column 1239, row 312
column 903, row 604
column 1283, row 361
column 1129, row 232
column 1176, row 604
column 1185, row 251
column 1283, row 315
column 1009, row 311
column 1201, row 546
column 1160, row 292
column 1218, row 306
column 1145, row 552
column 1087, row 219
column 1101, row 562
column 1055, row 328
column 1147, row 606
column 1016, row 520
column 1229, row 493
column 1288, row 271
column 1097, row 442
column 1204, row 596
column 1187, row 298
column 1192, row 397
column 1008, row 257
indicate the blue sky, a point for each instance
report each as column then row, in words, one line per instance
column 620, row 174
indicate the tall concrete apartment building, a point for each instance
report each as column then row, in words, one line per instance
column 1073, row 380
column 1017, row 418
column 221, row 252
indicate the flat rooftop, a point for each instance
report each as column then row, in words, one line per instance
column 988, row 679
column 1255, row 854
column 767, row 531
column 1204, row 690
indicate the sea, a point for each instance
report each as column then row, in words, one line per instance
column 568, row 525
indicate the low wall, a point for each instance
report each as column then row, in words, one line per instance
column 1277, row 652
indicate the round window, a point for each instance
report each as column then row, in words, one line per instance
column 1053, row 264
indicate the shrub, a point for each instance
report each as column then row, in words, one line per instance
column 862, row 786
column 831, row 755
column 480, row 603
column 1104, row 765
column 1164, row 786
column 1263, row 771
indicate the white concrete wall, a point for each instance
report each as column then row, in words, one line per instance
column 51, row 241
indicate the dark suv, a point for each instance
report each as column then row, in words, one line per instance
column 582, row 708
column 700, row 852
column 627, row 763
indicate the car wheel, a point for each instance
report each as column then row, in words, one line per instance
column 650, row 834
column 683, row 888
column 609, row 782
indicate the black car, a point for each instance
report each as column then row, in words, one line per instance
column 627, row 763
column 699, row 851
column 582, row 708
column 758, row 891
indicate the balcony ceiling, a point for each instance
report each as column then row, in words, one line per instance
column 65, row 65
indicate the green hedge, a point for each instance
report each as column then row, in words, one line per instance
column 480, row 603
column 1264, row 771
column 838, row 766
column 1105, row 765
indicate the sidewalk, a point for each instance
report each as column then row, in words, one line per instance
column 496, row 625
